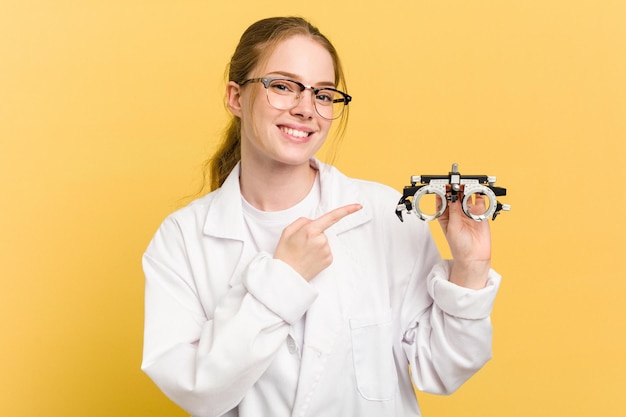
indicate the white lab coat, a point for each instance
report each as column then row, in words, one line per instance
column 219, row 316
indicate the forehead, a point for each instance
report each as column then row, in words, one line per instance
column 304, row 57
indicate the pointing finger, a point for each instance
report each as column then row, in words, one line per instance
column 326, row 220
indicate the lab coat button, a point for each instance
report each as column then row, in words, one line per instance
column 291, row 345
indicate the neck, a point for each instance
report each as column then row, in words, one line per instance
column 275, row 187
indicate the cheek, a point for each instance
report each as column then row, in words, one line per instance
column 325, row 126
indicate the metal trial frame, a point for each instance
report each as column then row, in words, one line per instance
column 449, row 188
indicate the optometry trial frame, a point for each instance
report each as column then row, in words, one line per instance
column 450, row 188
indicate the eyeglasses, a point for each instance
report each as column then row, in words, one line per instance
column 285, row 94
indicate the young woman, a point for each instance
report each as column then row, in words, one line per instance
column 292, row 290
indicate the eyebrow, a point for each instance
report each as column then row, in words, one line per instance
column 296, row 78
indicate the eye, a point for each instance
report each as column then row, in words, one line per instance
column 325, row 97
column 283, row 87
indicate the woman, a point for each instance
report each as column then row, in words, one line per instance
column 292, row 290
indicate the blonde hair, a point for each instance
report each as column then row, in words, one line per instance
column 255, row 46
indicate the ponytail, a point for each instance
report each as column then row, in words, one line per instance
column 226, row 156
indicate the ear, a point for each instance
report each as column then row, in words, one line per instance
column 233, row 98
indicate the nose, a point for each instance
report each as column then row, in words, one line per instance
column 305, row 107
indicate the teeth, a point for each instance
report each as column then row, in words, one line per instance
column 294, row 132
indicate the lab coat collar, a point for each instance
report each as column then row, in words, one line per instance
column 225, row 214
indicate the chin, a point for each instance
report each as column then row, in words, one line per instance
column 294, row 161
column 297, row 156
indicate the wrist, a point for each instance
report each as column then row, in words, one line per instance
column 470, row 274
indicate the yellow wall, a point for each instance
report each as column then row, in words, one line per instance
column 108, row 109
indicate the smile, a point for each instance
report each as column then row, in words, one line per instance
column 294, row 132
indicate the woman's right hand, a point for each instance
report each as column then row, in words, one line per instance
column 304, row 246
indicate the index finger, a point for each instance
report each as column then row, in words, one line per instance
column 326, row 220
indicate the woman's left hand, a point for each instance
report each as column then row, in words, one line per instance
column 469, row 241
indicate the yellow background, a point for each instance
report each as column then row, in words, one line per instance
column 109, row 108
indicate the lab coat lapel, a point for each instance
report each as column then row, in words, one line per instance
column 225, row 221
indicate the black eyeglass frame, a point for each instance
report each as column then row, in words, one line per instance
column 266, row 81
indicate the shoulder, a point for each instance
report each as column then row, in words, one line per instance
column 196, row 209
column 185, row 220
column 406, row 240
column 379, row 202
column 376, row 190
column 337, row 179
column 349, row 189
column 380, row 199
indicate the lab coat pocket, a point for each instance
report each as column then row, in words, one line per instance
column 372, row 352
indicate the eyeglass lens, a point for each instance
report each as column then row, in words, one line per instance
column 285, row 95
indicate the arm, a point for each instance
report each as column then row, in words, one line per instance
column 206, row 361
column 450, row 340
